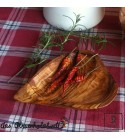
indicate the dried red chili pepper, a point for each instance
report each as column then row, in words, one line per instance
column 54, row 85
column 69, row 78
column 65, row 65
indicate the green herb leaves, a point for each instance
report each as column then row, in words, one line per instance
column 59, row 38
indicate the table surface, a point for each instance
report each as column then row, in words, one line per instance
column 20, row 29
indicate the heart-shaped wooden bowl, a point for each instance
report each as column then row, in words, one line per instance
column 96, row 91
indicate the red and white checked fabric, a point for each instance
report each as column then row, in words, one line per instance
column 19, row 32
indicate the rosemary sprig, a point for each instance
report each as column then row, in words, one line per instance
column 75, row 24
column 64, row 36
column 16, row 74
column 26, row 66
column 59, row 39
column 36, row 59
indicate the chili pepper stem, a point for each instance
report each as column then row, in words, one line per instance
column 88, row 61
column 91, row 71
column 81, row 60
column 73, row 50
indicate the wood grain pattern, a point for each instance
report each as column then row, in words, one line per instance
column 96, row 91
column 122, row 17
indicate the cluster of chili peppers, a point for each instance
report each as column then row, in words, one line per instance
column 62, row 77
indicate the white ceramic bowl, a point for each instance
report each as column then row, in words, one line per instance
column 56, row 16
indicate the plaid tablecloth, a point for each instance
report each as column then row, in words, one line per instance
column 19, row 32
